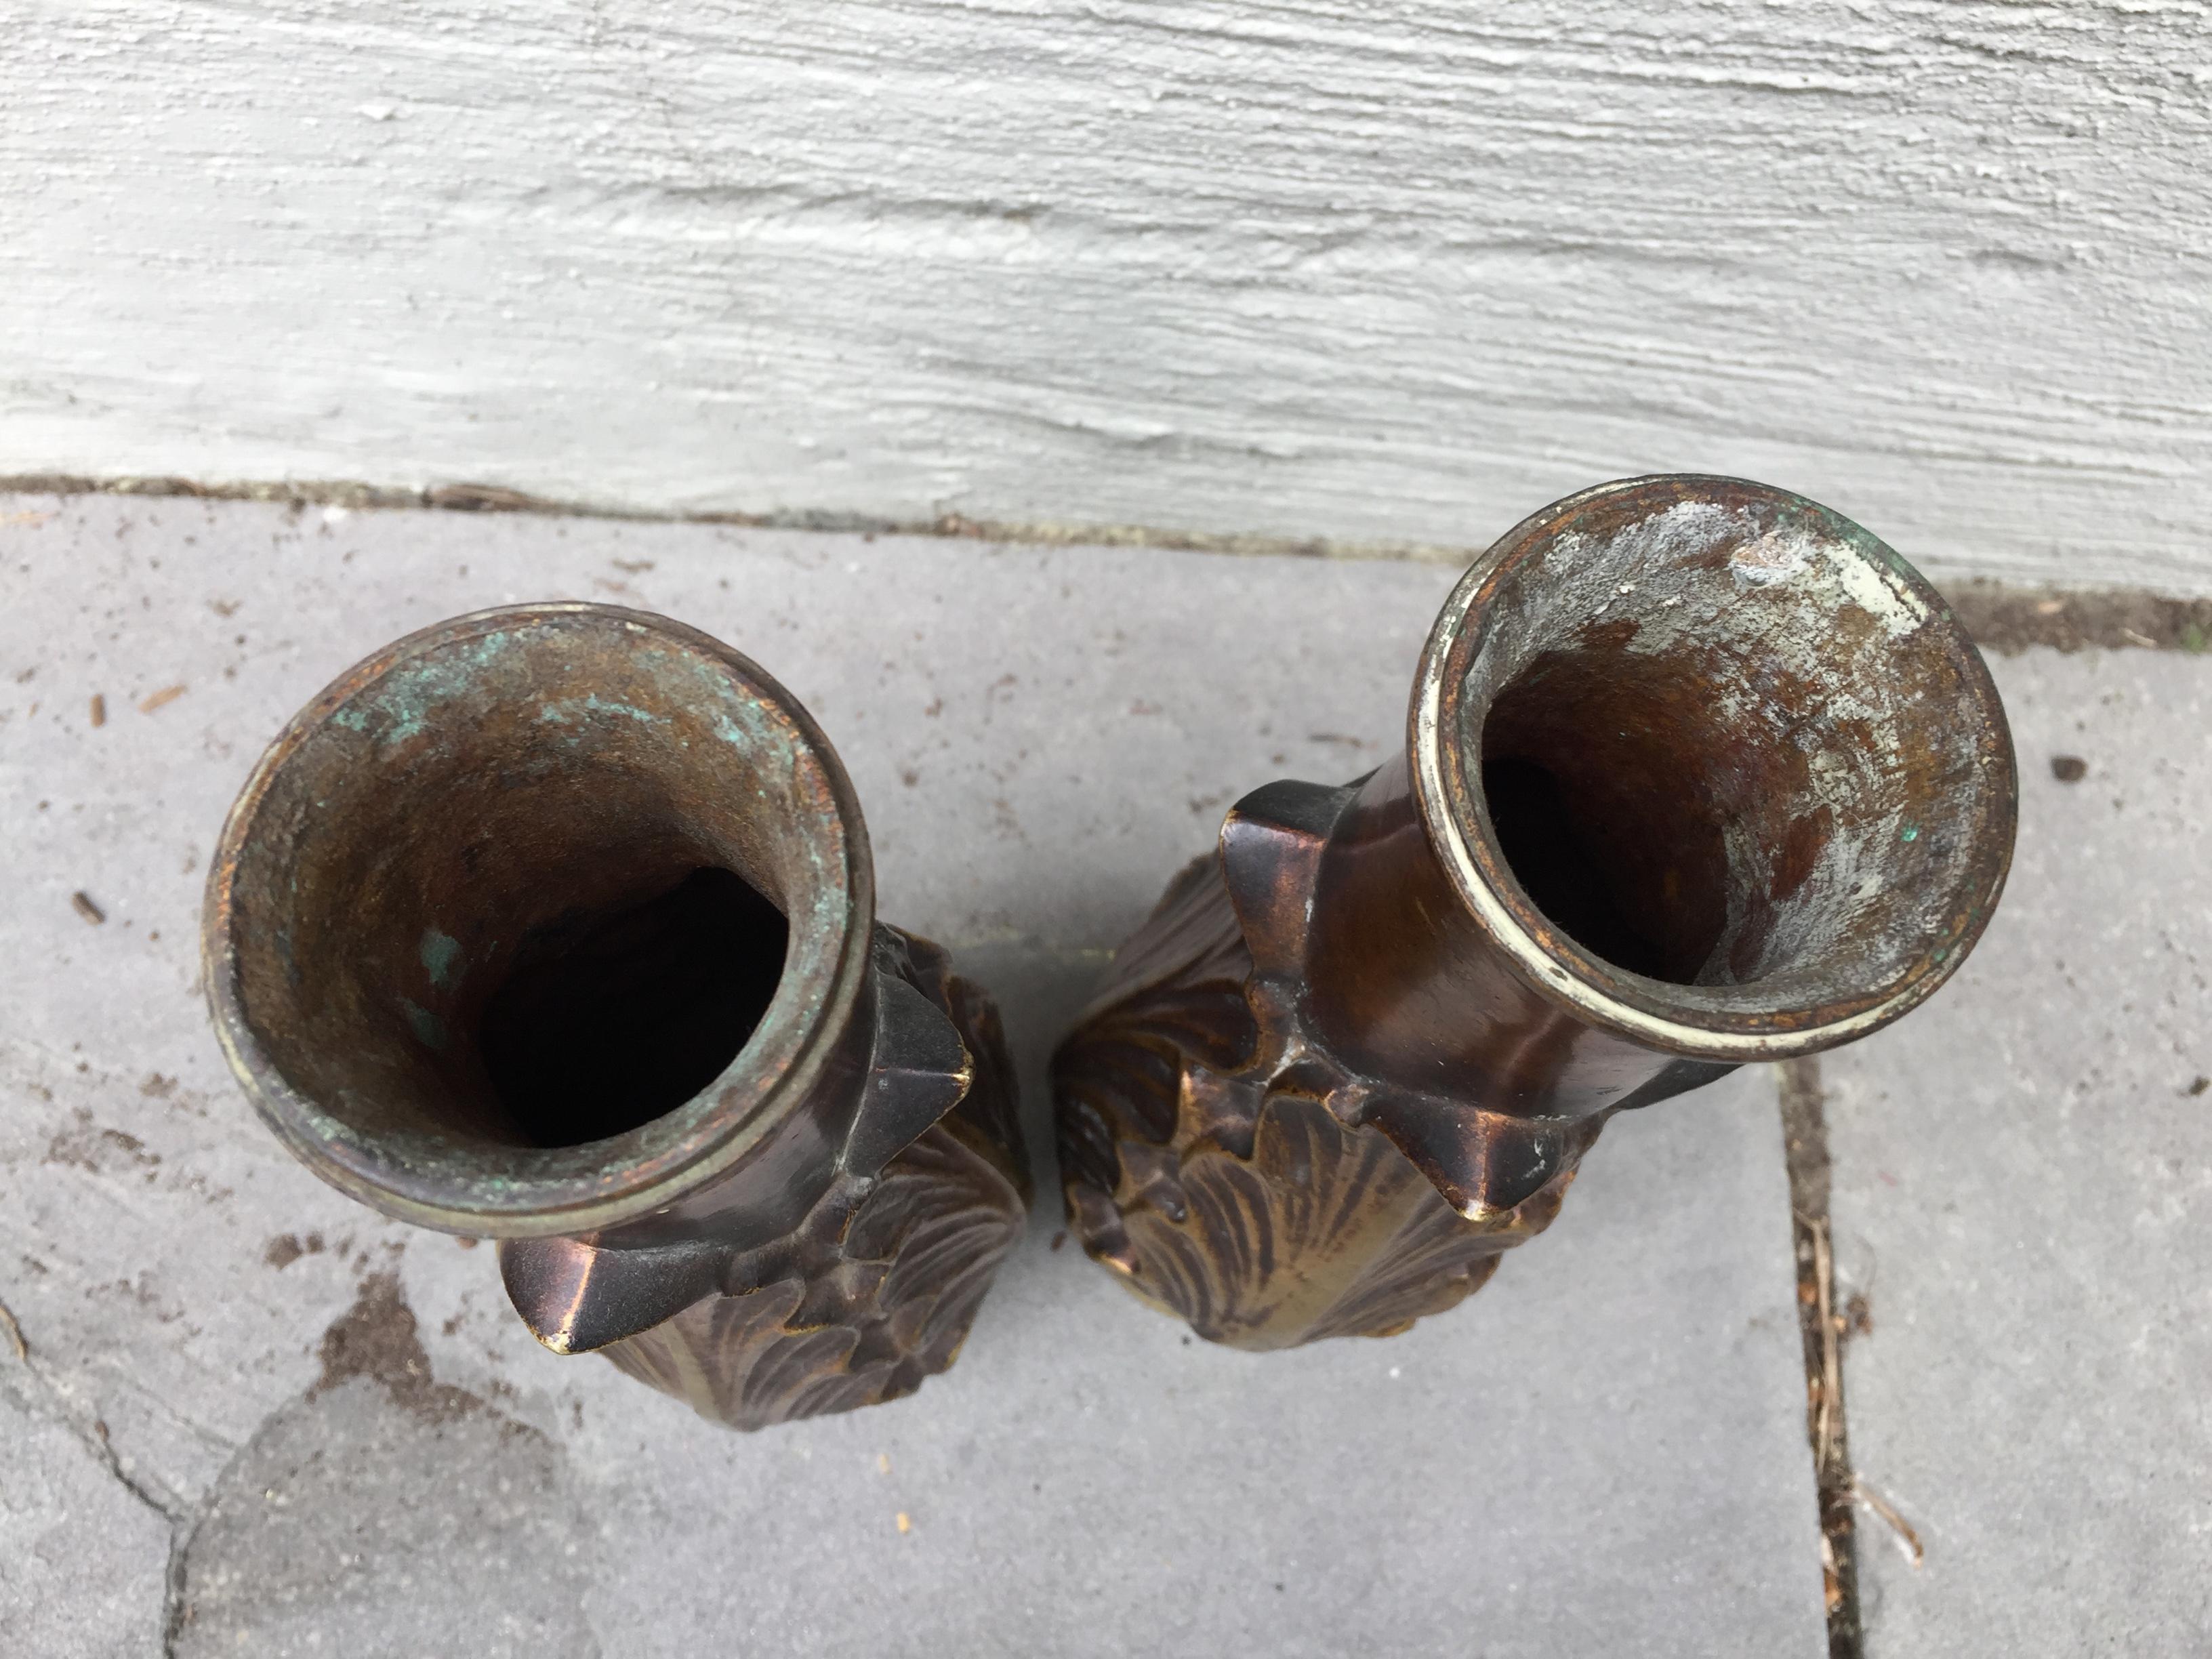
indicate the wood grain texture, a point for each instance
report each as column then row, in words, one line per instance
column 1381, row 274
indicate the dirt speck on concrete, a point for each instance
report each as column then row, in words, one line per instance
column 286, row 1248
column 377, row 1338
column 2068, row 769
column 86, row 1145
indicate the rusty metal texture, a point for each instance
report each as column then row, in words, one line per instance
column 556, row 924
column 1697, row 772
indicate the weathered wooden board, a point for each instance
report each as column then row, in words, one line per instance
column 1384, row 273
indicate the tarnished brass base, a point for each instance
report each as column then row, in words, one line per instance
column 1203, row 1157
column 876, row 1288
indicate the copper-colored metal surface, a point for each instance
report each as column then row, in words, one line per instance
column 556, row 924
column 1697, row 772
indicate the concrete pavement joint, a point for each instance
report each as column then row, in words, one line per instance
column 2001, row 617
column 495, row 498
column 1805, row 1147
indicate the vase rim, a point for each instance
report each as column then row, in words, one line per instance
column 1845, row 567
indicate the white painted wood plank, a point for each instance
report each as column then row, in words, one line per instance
column 1381, row 272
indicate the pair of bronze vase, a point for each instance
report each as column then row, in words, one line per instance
column 556, row 924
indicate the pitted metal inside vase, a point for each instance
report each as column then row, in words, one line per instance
column 533, row 912
column 1723, row 756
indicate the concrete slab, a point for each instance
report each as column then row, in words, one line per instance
column 1602, row 1454
column 2023, row 1196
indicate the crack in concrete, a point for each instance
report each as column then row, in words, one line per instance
column 349, row 1504
column 185, row 1531
column 89, row 1430
column 376, row 1339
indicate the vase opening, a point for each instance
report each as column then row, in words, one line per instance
column 535, row 906
column 1716, row 740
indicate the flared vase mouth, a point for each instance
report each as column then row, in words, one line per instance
column 1713, row 767
column 538, row 920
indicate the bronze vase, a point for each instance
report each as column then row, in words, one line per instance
column 556, row 924
column 1696, row 772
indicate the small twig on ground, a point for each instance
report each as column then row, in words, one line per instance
column 1905, row 1535
column 14, row 1334
column 1826, row 1449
